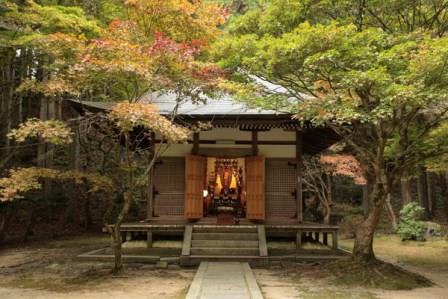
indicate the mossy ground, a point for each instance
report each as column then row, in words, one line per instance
column 431, row 254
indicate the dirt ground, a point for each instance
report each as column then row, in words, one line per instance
column 307, row 281
column 284, row 284
column 49, row 270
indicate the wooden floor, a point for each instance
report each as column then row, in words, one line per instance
column 206, row 240
column 179, row 223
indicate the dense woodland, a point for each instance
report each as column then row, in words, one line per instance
column 373, row 71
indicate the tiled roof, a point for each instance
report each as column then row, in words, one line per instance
column 211, row 106
column 166, row 103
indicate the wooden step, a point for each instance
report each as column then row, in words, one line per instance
column 225, row 251
column 225, row 236
column 224, row 229
column 224, row 243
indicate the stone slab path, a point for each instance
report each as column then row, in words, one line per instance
column 224, row 280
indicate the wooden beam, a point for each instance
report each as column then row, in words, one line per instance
column 195, row 149
column 299, row 169
column 225, row 152
column 255, row 143
column 245, row 142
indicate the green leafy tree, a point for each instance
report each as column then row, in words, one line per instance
column 384, row 91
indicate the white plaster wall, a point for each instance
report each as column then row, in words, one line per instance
column 177, row 150
column 277, row 151
column 224, row 134
column 277, row 135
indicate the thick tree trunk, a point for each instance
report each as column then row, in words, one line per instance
column 365, row 199
column 363, row 247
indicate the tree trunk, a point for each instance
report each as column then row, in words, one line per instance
column 365, row 199
column 429, row 194
column 116, row 236
column 405, row 185
column 363, row 247
column 327, row 217
column 391, row 213
column 443, row 183
column 329, row 202
column 422, row 188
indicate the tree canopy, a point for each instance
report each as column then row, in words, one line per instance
column 374, row 72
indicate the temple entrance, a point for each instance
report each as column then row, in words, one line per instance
column 224, row 192
column 229, row 189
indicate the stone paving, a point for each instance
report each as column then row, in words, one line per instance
column 224, row 280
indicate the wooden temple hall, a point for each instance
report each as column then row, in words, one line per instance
column 233, row 186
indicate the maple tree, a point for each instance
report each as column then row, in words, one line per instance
column 319, row 172
column 156, row 46
column 126, row 117
column 375, row 76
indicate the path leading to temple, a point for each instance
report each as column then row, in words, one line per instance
column 223, row 280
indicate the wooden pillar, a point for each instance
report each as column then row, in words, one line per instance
column 334, row 236
column 316, row 236
column 255, row 143
column 149, row 238
column 325, row 238
column 299, row 154
column 299, row 240
column 150, row 200
column 195, row 149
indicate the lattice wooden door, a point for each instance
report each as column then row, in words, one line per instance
column 169, row 184
column 194, row 185
column 280, row 188
column 255, row 178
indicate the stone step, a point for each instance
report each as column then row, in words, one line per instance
column 225, row 236
column 225, row 251
column 224, row 229
column 224, row 243
column 254, row 261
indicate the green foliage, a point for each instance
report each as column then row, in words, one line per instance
column 52, row 131
column 22, row 180
column 24, row 22
column 336, row 73
column 410, row 226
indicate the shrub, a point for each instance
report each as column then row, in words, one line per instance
column 410, row 226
